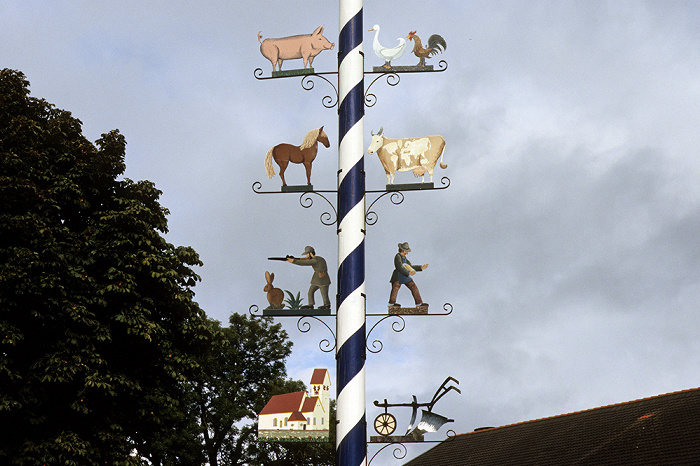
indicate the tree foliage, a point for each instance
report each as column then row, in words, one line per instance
column 98, row 328
column 241, row 368
column 104, row 356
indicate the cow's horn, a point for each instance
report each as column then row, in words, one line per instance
column 371, row 132
column 381, row 130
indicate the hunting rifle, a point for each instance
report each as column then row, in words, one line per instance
column 280, row 258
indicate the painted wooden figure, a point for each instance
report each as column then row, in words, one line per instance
column 299, row 416
column 304, row 46
column 419, row 154
column 304, row 154
column 319, row 280
column 402, row 275
column 386, row 53
column 436, row 44
column 275, row 296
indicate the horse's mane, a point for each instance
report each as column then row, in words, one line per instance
column 310, row 139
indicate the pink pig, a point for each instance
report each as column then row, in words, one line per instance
column 305, row 46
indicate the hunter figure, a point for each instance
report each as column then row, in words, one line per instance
column 319, row 280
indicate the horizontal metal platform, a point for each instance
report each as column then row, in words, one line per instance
column 296, row 312
column 409, row 186
column 396, row 438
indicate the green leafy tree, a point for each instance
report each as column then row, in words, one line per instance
column 241, row 370
column 99, row 332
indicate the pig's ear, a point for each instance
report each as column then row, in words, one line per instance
column 319, row 30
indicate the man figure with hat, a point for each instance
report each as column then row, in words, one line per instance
column 403, row 270
column 319, row 280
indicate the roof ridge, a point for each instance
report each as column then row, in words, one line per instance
column 583, row 411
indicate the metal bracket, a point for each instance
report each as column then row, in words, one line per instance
column 329, row 101
column 303, row 325
column 400, row 449
column 307, row 83
column 397, row 326
column 396, row 196
column 306, row 201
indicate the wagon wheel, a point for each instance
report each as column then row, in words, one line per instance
column 385, row 424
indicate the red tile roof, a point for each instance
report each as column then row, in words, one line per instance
column 318, row 376
column 287, row 403
column 661, row 430
column 309, row 404
column 297, row 416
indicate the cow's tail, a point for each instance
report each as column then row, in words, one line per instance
column 442, row 165
column 269, row 168
column 260, row 36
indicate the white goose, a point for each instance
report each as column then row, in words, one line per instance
column 387, row 54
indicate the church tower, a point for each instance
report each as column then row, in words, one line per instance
column 321, row 387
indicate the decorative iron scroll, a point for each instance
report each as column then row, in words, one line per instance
column 307, row 83
column 326, row 218
column 393, row 78
column 400, row 449
column 397, row 326
column 329, row 101
column 306, row 201
column 397, row 197
column 325, row 344
column 303, row 326
column 329, row 219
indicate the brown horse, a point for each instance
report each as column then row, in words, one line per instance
column 305, row 153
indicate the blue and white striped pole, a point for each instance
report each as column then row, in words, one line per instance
column 351, row 430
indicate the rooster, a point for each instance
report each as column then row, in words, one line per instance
column 436, row 44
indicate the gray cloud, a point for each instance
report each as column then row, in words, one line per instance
column 566, row 241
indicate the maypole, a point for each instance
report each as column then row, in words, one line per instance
column 351, row 430
column 351, row 219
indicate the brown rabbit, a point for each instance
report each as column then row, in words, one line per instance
column 275, row 296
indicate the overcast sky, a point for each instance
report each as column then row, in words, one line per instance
column 567, row 241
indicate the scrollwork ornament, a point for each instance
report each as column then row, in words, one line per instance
column 396, row 198
column 328, row 101
column 392, row 79
column 448, row 309
column 253, row 310
column 304, row 326
column 326, row 218
column 399, row 451
column 397, row 326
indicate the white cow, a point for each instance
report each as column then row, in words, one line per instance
column 400, row 155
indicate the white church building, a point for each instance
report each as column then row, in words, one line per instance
column 298, row 416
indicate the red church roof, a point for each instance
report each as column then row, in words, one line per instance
column 309, row 404
column 318, row 376
column 297, row 416
column 287, row 403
